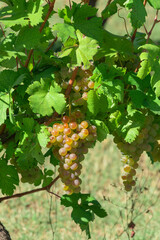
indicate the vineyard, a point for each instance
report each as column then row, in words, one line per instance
column 68, row 85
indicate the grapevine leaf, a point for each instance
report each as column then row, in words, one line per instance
column 154, row 3
column 83, row 213
column 4, row 105
column 148, row 59
column 43, row 136
column 22, row 13
column 93, row 103
column 87, row 22
column 64, row 31
column 45, row 97
column 102, row 130
column 8, row 178
column 24, row 39
column 111, row 8
column 83, row 53
column 137, row 14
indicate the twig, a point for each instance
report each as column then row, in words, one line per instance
column 105, row 20
column 17, row 63
column 135, row 31
column 154, row 23
column 28, row 58
column 2, row 31
column 51, row 6
column 71, row 81
column 18, row 195
column 70, row 5
column 125, row 24
column 51, row 45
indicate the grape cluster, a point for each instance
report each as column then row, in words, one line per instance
column 70, row 141
column 81, row 85
column 133, row 151
column 30, row 175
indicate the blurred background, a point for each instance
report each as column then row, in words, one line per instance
column 40, row 216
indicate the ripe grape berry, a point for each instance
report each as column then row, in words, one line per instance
column 69, row 142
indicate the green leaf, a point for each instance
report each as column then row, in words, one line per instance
column 83, row 212
column 102, row 130
column 20, row 12
column 28, row 38
column 137, row 14
column 44, row 97
column 64, row 31
column 8, row 178
column 154, row 3
column 4, row 105
column 43, row 136
column 93, row 103
column 111, row 8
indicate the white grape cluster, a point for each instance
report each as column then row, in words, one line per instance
column 132, row 152
column 70, row 140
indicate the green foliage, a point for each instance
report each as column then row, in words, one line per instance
column 137, row 14
column 44, row 67
column 84, row 212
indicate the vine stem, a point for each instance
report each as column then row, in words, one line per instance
column 135, row 31
column 2, row 31
column 46, row 188
column 51, row 6
column 51, row 45
column 71, row 81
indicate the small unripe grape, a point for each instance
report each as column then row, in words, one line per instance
column 65, row 119
column 78, row 113
column 85, row 88
column 85, row 132
column 84, row 124
column 135, row 166
column 60, row 128
column 79, row 128
column 124, row 176
column 133, row 172
column 75, row 144
column 76, row 183
column 62, row 151
column 69, row 141
column 55, row 132
column 131, row 162
column 67, row 131
column 93, row 129
column 132, row 183
column 50, row 129
column 124, row 159
column 76, row 95
column 91, row 84
column 64, row 85
column 66, row 166
column 75, row 137
column 85, row 96
column 127, row 168
column 65, row 188
column 156, row 126
column 77, row 88
column 65, row 125
column 74, row 166
column 69, row 192
column 59, row 138
column 73, row 156
column 73, row 125
column 128, row 188
column 49, row 145
column 81, row 135
column 52, row 139
column 55, row 125
column 67, row 147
